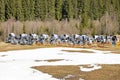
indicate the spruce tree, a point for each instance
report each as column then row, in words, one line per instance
column 32, row 8
column 85, row 10
column 26, row 9
column 45, row 9
column 65, row 9
column 75, row 9
column 58, row 9
column 2, row 10
column 80, row 6
column 40, row 9
column 70, row 9
column 37, row 9
column 19, row 12
column 51, row 9
column 10, row 9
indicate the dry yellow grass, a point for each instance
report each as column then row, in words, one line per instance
column 108, row 72
column 9, row 47
column 110, row 48
column 60, row 71
column 106, row 47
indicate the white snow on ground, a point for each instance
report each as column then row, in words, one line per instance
column 16, row 65
column 92, row 68
column 81, row 79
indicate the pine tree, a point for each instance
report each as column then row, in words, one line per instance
column 101, row 8
column 80, row 6
column 51, row 9
column 19, row 12
column 70, row 9
column 85, row 12
column 10, row 9
column 117, row 9
column 32, row 8
column 26, row 9
column 45, row 9
column 40, row 9
column 75, row 9
column 58, row 9
column 2, row 10
column 65, row 9
column 107, row 5
column 37, row 8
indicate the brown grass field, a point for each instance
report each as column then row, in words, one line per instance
column 105, row 47
column 108, row 72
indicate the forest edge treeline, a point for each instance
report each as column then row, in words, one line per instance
column 59, row 16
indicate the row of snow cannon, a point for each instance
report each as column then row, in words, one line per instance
column 29, row 39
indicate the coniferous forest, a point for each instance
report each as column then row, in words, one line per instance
column 60, row 16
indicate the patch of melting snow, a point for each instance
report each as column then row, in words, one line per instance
column 43, row 76
column 16, row 65
column 68, row 76
column 92, row 67
column 81, row 79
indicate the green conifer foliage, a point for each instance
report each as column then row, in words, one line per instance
column 26, row 9
column 58, row 9
column 10, row 9
column 19, row 13
column 51, row 9
column 2, row 10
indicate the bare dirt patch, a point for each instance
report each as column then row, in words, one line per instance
column 108, row 72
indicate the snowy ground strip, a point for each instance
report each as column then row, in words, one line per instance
column 16, row 65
